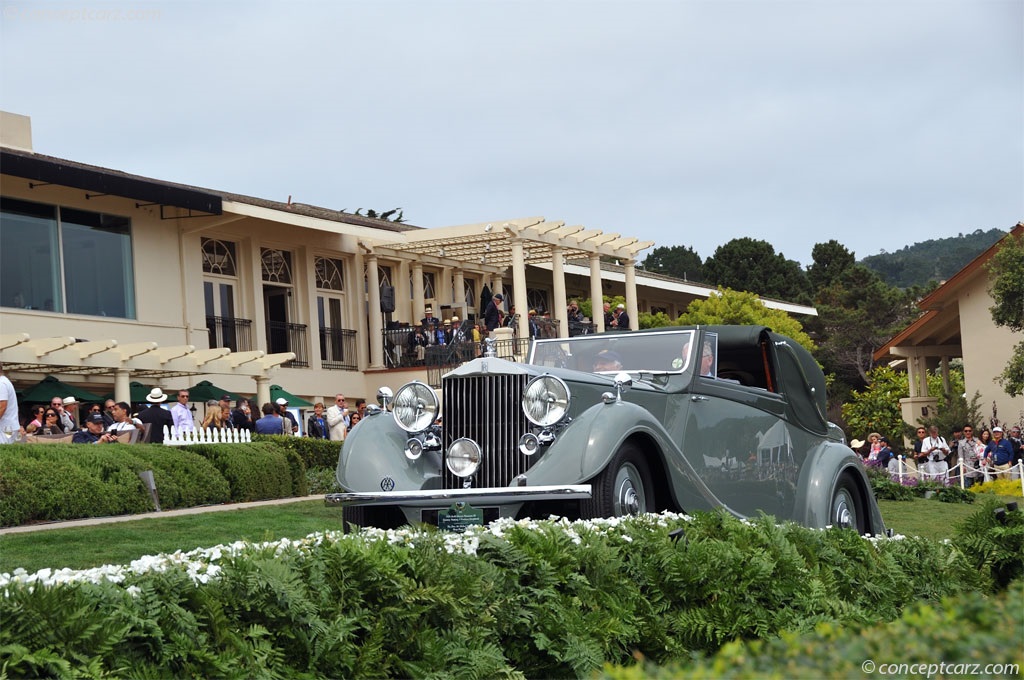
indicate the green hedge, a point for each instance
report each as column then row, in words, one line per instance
column 53, row 482
column 315, row 453
column 964, row 633
column 542, row 599
column 257, row 471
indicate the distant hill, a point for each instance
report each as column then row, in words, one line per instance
column 934, row 260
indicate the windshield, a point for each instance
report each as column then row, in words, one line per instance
column 667, row 352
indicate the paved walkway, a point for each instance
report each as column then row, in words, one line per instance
column 92, row 521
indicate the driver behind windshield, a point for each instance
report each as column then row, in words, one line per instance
column 607, row 360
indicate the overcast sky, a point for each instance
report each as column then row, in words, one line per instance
column 878, row 124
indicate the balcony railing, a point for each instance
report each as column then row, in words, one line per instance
column 235, row 334
column 288, row 337
column 338, row 349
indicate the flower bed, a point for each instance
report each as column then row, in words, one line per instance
column 515, row 598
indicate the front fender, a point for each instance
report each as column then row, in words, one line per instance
column 373, row 457
column 824, row 465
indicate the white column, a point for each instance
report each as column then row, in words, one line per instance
column 262, row 392
column 596, row 296
column 558, row 286
column 417, row 293
column 911, row 375
column 375, row 324
column 519, row 287
column 444, row 289
column 122, row 386
column 460, row 294
column 361, row 286
column 631, row 304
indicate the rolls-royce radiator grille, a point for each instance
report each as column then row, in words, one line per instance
column 487, row 410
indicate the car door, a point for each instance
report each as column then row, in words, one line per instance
column 737, row 439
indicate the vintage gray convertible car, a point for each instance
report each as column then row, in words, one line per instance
column 683, row 419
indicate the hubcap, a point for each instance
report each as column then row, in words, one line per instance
column 842, row 513
column 629, row 496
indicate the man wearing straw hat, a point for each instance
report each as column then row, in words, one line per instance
column 156, row 416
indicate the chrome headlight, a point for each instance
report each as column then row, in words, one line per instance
column 545, row 400
column 463, row 457
column 415, row 407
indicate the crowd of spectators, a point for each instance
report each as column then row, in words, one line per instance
column 975, row 455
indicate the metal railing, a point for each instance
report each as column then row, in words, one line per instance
column 288, row 337
column 235, row 334
column 338, row 349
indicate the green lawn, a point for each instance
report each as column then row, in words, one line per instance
column 122, row 542
column 929, row 517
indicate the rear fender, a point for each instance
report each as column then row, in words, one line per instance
column 821, row 471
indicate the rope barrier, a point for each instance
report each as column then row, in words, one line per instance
column 1013, row 471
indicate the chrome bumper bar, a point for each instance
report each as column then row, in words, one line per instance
column 444, row 497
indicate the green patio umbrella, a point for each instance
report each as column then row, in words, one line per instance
column 137, row 392
column 204, row 390
column 49, row 387
column 276, row 392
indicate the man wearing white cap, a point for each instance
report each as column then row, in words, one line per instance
column 288, row 423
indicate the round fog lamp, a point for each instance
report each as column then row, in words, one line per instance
column 463, row 457
column 529, row 443
column 413, row 449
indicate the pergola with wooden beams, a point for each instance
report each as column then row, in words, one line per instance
column 494, row 247
column 67, row 355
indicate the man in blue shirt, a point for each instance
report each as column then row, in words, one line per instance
column 93, row 432
column 270, row 423
column 999, row 451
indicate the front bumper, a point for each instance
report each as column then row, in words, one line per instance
column 443, row 497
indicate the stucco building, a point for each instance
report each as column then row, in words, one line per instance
column 957, row 323
column 108, row 278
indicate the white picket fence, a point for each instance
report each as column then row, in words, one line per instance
column 175, row 437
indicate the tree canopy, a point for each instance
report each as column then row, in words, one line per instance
column 739, row 307
column 682, row 262
column 752, row 265
column 1007, row 272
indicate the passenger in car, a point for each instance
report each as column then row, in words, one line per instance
column 707, row 360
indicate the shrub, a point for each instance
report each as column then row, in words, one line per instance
column 999, row 487
column 184, row 479
column 254, row 472
column 315, row 453
column 322, row 480
column 45, row 488
column 55, row 482
column 954, row 494
column 993, row 539
column 964, row 633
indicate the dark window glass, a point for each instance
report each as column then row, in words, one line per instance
column 98, row 272
column 29, row 256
